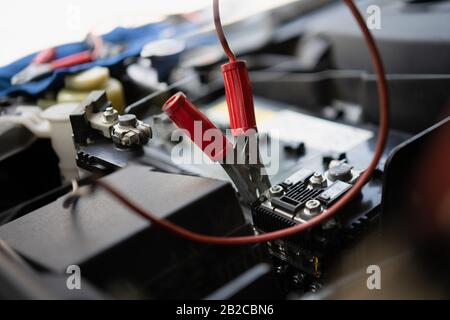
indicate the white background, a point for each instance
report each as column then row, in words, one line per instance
column 30, row 25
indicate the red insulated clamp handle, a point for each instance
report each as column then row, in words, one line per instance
column 239, row 95
column 201, row 130
column 73, row 60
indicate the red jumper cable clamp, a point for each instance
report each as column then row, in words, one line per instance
column 186, row 116
column 239, row 96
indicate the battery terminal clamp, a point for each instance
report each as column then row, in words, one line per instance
column 96, row 116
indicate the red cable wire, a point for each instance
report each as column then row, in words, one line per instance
column 246, row 240
column 220, row 33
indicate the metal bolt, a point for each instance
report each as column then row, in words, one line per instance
column 318, row 180
column 313, row 207
column 110, row 115
column 342, row 171
column 298, row 279
column 315, row 287
column 276, row 190
column 130, row 138
column 312, row 204
column 126, row 141
column 128, row 120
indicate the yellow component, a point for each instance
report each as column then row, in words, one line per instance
column 91, row 79
column 316, row 267
column 115, row 94
column 113, row 88
column 68, row 95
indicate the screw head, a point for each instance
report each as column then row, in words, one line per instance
column 342, row 171
column 128, row 120
column 298, row 279
column 312, row 204
column 315, row 287
column 110, row 115
column 276, row 190
column 130, row 138
column 318, row 180
column 313, row 207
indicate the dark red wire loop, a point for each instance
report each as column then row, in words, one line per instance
column 246, row 240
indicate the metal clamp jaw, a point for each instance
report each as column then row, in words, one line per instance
column 248, row 171
column 245, row 168
column 129, row 131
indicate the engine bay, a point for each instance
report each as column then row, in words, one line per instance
column 302, row 165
